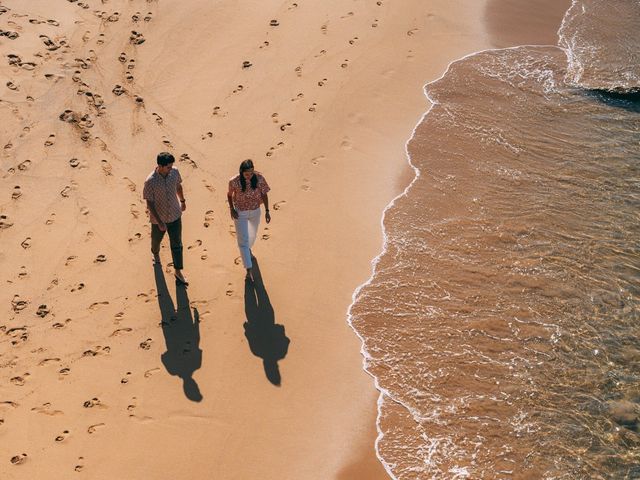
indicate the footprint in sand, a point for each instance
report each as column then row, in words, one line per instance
column 324, row 28
column 237, row 260
column 78, row 287
column 313, row 106
column 118, row 90
column 65, row 191
column 24, row 165
column 273, row 149
column 64, row 371
column 94, row 402
column 131, row 65
column 130, row 184
column 136, row 17
column 135, row 238
column 246, row 64
column 274, row 23
column 18, row 381
column 124, row 380
column 93, row 428
column 114, row 17
column 4, row 222
column 106, row 167
column 298, row 71
column 265, row 44
column 17, row 193
column 74, row 162
column 197, row 243
column 345, row 64
column 42, row 311
column 62, row 437
column 208, row 218
column 19, row 459
column 238, row 89
column 70, row 259
column 375, row 23
column 50, row 141
column 158, row 118
column 133, row 209
column 317, row 160
column 50, row 44
column 136, row 38
column 279, row 205
column 79, row 467
column 207, row 135
column 122, row 58
column 265, row 236
column 285, row 126
column 229, row 291
column 46, row 361
column 322, row 82
column 12, row 86
column 148, row 17
column 353, row 40
column 150, row 372
column 17, row 304
column 146, row 345
column 300, row 96
column 120, row 331
column 96, row 305
column 23, row 272
column 100, row 259
column 305, row 186
column 412, row 32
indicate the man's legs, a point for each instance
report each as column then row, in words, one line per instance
column 175, row 239
column 156, row 238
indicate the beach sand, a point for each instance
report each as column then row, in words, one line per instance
column 95, row 343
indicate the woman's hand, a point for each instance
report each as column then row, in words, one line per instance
column 234, row 213
column 267, row 216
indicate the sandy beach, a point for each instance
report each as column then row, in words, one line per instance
column 108, row 370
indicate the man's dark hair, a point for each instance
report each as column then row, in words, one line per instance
column 165, row 158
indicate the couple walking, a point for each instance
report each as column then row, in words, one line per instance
column 165, row 202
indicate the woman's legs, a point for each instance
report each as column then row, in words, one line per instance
column 246, row 231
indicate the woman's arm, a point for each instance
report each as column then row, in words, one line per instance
column 265, row 200
column 232, row 210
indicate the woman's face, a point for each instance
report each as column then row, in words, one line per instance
column 248, row 174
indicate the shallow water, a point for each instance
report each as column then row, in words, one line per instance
column 501, row 322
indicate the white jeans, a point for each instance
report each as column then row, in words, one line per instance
column 246, row 231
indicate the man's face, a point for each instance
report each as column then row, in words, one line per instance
column 164, row 170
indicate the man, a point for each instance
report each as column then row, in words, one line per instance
column 166, row 202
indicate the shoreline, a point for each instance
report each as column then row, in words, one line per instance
column 499, row 23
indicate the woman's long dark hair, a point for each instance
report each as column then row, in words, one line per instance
column 244, row 166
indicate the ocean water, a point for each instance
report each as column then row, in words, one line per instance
column 501, row 322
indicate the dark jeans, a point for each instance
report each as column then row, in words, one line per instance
column 175, row 239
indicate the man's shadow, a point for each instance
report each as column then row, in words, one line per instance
column 267, row 339
column 181, row 334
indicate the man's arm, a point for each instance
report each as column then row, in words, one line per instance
column 154, row 215
column 183, row 202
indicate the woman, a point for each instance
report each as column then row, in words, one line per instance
column 246, row 192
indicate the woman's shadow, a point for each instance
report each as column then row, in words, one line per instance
column 267, row 339
column 181, row 334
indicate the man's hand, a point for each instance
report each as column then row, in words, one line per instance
column 234, row 213
column 267, row 216
column 183, row 205
column 162, row 226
